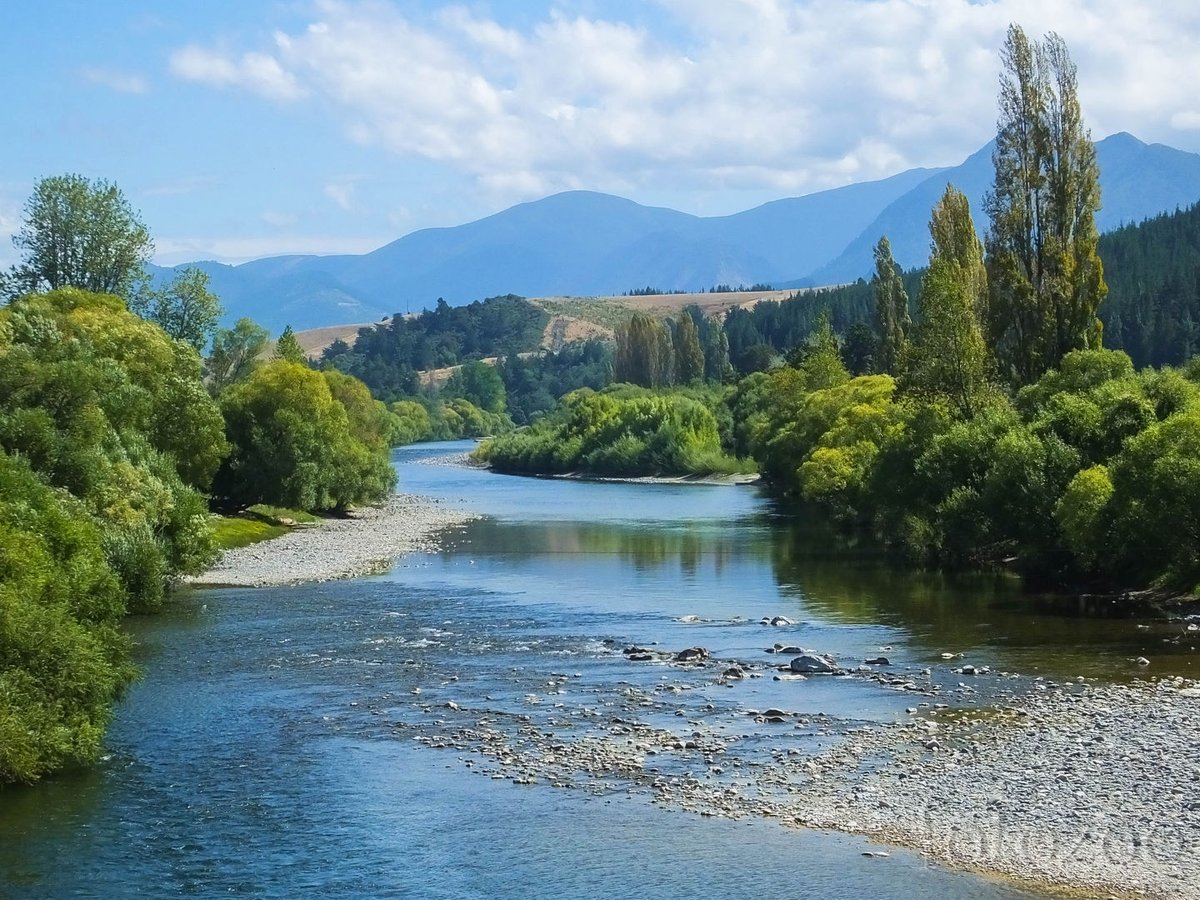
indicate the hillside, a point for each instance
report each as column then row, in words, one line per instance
column 586, row 244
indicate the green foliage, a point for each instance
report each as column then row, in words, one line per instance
column 478, row 383
column 948, row 357
column 645, row 353
column 294, row 442
column 63, row 658
column 534, row 383
column 689, row 355
column 79, row 233
column 235, row 354
column 288, row 348
column 1045, row 275
column 185, row 309
column 386, row 357
column 108, row 407
column 626, row 433
column 892, row 321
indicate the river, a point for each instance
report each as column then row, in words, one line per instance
column 303, row 741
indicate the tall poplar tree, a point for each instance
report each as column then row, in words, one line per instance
column 689, row 355
column 892, row 322
column 948, row 357
column 1046, row 279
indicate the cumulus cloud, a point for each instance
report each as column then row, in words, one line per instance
column 783, row 95
column 341, row 193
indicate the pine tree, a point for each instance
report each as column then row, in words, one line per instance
column 1046, row 279
column 892, row 321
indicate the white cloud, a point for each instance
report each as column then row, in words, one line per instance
column 756, row 94
column 258, row 72
column 122, row 82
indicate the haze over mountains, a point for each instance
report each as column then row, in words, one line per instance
column 582, row 243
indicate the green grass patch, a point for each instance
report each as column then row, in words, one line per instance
column 236, row 531
column 280, row 515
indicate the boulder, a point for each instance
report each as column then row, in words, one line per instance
column 878, row 661
column 692, row 654
column 777, row 621
column 813, row 663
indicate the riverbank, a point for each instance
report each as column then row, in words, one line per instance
column 364, row 542
column 1080, row 788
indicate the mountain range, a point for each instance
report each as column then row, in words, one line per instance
column 582, row 243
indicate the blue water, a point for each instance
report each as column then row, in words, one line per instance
column 279, row 742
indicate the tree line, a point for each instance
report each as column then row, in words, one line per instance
column 116, row 438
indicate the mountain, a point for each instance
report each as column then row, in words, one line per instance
column 582, row 243
column 575, row 243
column 1137, row 181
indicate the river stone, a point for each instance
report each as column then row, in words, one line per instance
column 691, row 654
column 878, row 661
column 813, row 663
column 777, row 620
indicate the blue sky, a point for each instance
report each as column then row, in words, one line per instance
column 270, row 126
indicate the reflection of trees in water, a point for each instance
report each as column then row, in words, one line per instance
column 843, row 580
column 694, row 548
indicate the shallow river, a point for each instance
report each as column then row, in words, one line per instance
column 284, row 742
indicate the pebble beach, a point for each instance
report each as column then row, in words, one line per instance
column 366, row 541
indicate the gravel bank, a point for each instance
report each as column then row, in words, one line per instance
column 367, row 541
column 1086, row 789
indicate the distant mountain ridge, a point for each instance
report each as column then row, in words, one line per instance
column 583, row 243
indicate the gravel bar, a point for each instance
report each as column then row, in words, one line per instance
column 363, row 543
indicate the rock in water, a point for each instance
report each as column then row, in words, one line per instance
column 812, row 663
column 691, row 654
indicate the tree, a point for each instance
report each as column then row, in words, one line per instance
column 288, row 347
column 689, row 356
column 79, row 233
column 478, row 383
column 644, row 352
column 294, row 443
column 948, row 357
column 235, row 354
column 185, row 309
column 1046, row 279
column 892, row 321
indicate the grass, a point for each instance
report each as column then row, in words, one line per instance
column 257, row 523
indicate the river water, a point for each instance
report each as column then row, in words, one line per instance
column 305, row 741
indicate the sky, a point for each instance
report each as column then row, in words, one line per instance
column 262, row 127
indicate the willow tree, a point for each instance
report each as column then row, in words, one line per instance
column 948, row 357
column 892, row 322
column 1046, row 279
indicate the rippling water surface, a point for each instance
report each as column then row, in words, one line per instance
column 285, row 742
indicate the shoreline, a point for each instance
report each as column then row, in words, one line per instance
column 366, row 542
column 1075, row 789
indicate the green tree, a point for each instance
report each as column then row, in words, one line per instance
column 185, row 309
column 479, row 383
column 288, row 348
column 79, row 233
column 294, row 443
column 1046, row 279
column 689, row 355
column 644, row 352
column 236, row 353
column 948, row 357
column 892, row 322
